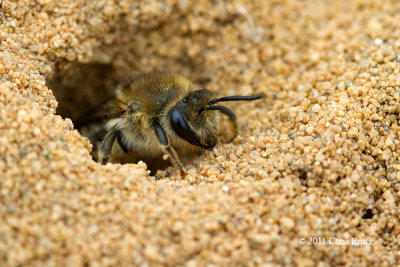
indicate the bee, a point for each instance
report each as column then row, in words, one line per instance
column 157, row 114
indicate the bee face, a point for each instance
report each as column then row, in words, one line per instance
column 190, row 123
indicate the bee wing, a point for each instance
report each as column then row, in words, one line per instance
column 111, row 108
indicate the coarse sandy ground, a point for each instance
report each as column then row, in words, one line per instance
column 318, row 157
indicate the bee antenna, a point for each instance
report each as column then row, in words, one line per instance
column 235, row 98
column 231, row 116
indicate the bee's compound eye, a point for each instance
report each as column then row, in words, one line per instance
column 179, row 124
column 182, row 129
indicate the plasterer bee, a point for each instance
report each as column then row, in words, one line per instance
column 154, row 115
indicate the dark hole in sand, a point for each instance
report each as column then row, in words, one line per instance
column 81, row 88
column 368, row 214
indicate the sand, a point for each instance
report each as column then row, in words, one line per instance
column 317, row 158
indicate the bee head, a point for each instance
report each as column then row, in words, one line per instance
column 190, row 124
column 194, row 118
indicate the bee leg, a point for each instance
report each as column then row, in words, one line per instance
column 106, row 146
column 121, row 144
column 164, row 141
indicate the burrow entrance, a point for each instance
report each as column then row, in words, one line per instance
column 81, row 88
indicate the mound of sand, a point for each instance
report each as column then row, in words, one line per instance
column 317, row 158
